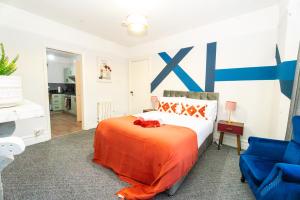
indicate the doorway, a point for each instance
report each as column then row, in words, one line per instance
column 139, row 85
column 64, row 91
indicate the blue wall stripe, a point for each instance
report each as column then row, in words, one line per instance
column 277, row 55
column 169, row 67
column 286, row 88
column 182, row 75
column 211, row 50
column 246, row 74
column 286, row 70
column 285, row 74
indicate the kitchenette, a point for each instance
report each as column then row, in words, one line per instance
column 62, row 98
column 62, row 92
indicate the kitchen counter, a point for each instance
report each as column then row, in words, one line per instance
column 64, row 88
column 56, row 92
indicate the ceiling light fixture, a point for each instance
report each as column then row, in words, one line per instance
column 136, row 24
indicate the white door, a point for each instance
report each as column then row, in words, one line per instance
column 139, row 86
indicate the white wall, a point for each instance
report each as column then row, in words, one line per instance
column 292, row 38
column 244, row 41
column 29, row 35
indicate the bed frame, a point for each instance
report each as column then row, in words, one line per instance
column 208, row 141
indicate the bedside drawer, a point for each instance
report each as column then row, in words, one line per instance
column 230, row 129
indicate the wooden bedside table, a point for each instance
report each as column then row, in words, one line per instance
column 235, row 128
column 148, row 110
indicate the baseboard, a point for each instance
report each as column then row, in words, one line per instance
column 32, row 139
column 230, row 140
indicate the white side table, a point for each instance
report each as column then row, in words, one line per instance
column 10, row 145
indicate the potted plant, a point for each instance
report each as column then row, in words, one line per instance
column 10, row 86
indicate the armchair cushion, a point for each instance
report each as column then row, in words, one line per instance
column 259, row 168
column 292, row 153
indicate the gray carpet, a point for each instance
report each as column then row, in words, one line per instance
column 61, row 169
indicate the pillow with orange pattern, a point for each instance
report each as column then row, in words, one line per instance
column 202, row 109
column 170, row 104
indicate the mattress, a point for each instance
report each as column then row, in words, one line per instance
column 203, row 128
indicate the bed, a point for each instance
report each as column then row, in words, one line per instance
column 207, row 141
column 183, row 153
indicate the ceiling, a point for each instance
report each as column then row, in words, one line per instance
column 103, row 18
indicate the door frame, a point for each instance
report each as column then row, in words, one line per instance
column 148, row 78
column 59, row 48
column 295, row 98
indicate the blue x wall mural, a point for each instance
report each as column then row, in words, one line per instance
column 283, row 71
column 172, row 65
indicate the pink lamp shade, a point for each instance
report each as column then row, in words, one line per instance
column 230, row 106
column 154, row 102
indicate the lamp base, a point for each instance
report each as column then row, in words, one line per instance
column 229, row 120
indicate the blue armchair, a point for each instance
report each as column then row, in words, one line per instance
column 272, row 167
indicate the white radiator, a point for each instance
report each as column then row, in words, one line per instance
column 104, row 109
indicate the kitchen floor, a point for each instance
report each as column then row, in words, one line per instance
column 63, row 124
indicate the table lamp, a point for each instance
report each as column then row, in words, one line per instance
column 230, row 107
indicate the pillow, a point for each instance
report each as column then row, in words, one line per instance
column 170, row 104
column 212, row 109
column 202, row 109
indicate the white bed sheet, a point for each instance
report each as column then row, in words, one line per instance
column 203, row 128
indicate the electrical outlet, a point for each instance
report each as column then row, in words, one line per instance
column 38, row 132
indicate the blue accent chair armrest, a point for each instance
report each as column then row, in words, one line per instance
column 282, row 183
column 263, row 147
column 290, row 172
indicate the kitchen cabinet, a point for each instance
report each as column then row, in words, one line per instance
column 57, row 102
column 69, row 75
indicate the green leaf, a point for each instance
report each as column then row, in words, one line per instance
column 2, row 52
column 6, row 67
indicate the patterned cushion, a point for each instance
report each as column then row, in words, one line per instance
column 197, row 111
column 169, row 107
column 170, row 104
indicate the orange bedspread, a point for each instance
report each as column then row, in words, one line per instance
column 150, row 159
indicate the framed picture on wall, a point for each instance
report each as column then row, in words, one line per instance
column 104, row 71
